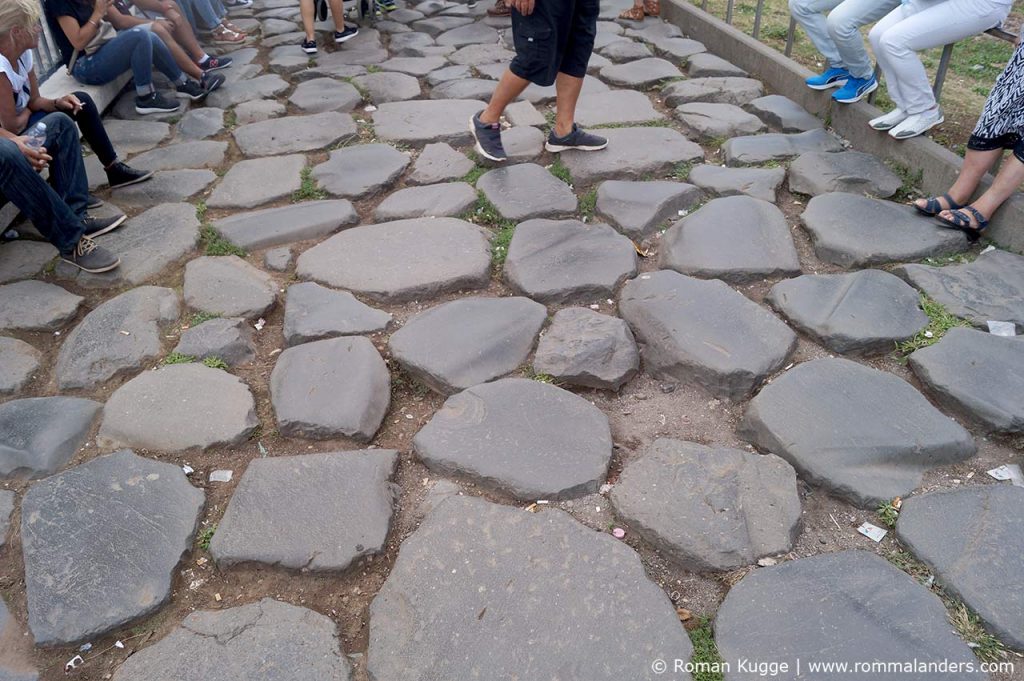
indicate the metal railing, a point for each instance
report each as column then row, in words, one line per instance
column 47, row 55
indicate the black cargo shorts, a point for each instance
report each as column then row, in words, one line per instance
column 557, row 37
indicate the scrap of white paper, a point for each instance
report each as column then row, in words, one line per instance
column 1011, row 472
column 872, row 532
column 220, row 476
column 1002, row 328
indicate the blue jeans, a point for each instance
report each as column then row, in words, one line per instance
column 210, row 12
column 55, row 211
column 137, row 48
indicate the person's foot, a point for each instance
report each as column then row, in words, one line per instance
column 215, row 63
column 308, row 46
column 90, row 257
column 96, row 226
column 855, row 89
column 500, row 9
column 488, row 138
column 917, row 124
column 121, row 175
column 155, row 102
column 199, row 90
column 969, row 220
column 888, row 121
column 829, row 78
column 237, row 4
column 93, row 202
column 633, row 13
column 226, row 36
column 934, row 205
column 471, row 3
column 343, row 36
column 386, row 5
column 577, row 139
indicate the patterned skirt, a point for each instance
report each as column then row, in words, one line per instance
column 1004, row 109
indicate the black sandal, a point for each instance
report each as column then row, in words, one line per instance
column 962, row 223
column 932, row 207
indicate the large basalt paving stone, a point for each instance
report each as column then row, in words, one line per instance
column 709, row 508
column 625, row 50
column 562, row 261
column 201, row 123
column 848, row 171
column 525, row 113
column 294, row 133
column 439, row 163
column 759, row 183
column 313, row 312
column 410, row 39
column 325, row 94
column 861, row 313
column 389, row 87
column 464, row 88
column 307, row 401
column 24, row 259
column 435, row 26
column 639, row 209
column 583, row 347
column 260, row 87
column 19, row 363
column 316, row 512
column 614, row 107
column 82, row 581
column 177, row 408
column 36, row 306
column 677, row 50
column 525, row 191
column 284, row 225
column 707, row 65
column 737, row 91
column 166, row 186
column 460, row 344
column 632, row 153
column 118, row 337
column 196, row 154
column 783, row 114
column 246, row 185
column 537, row 94
column 859, row 231
column 842, row 608
column 38, row 435
column 134, row 137
column 446, row 585
column 453, row 72
column 470, row 34
column 977, row 376
column 973, row 539
column 439, row 200
column 402, row 260
column 523, row 143
column 737, row 239
column 414, row 66
column 882, row 437
column 228, row 286
column 231, row 340
column 640, row 73
column 361, row 170
column 991, row 287
column 704, row 332
column 259, row 110
column 755, row 149
column 524, row 438
column 477, row 55
column 422, row 121
column 710, row 121
column 7, row 498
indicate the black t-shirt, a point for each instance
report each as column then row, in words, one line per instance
column 53, row 9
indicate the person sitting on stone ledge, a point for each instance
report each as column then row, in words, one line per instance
column 186, row 16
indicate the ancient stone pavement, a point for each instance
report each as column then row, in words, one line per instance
column 536, row 421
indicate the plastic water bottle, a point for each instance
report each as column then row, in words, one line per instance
column 36, row 136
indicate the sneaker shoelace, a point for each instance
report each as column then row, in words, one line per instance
column 85, row 246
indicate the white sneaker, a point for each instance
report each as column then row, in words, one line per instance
column 889, row 120
column 917, row 124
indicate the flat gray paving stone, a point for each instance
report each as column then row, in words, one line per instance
column 977, row 376
column 402, row 260
column 990, row 288
column 426, row 121
column 586, row 348
column 166, row 186
column 307, row 401
column 848, row 608
column 435, row 26
column 464, row 88
column 709, row 508
column 759, row 183
column 470, row 34
column 481, row 434
column 389, row 87
column 231, row 340
column 271, row 27
column 632, row 153
column 313, row 312
column 678, row 50
column 738, row 239
column 414, row 66
column 704, row 332
column 625, row 50
column 853, row 172
column 707, row 65
column 437, row 200
column 24, row 259
column 639, row 209
column 228, row 286
column 443, row 586
column 443, row 75
column 120, row 336
column 710, row 121
column 477, row 55
column 278, row 259
column 615, row 106
column 861, row 313
column 882, row 437
column 859, row 231
column 523, row 143
column 972, row 538
column 287, row 59
column 201, row 123
column 38, row 435
column 392, row 27
column 547, row 94
column 325, row 94
column 459, row 344
column 193, row 154
column 287, row 224
column 525, row 113
column 294, row 133
column 361, row 170
column 439, row 162
column 258, row 110
column 260, row 87
column 777, row 146
column 568, row 261
column 36, row 306
column 315, row 513
column 405, row 15
column 246, row 185
column 81, row 581
column 641, row 73
column 19, row 363
column 134, row 137
column 341, row 64
column 410, row 39
column 783, row 114
column 525, row 191
column 730, row 90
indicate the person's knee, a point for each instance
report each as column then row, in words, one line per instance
column 59, row 123
column 841, row 27
column 800, row 8
column 86, row 99
column 892, row 43
column 9, row 152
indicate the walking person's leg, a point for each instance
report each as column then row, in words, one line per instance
column 844, row 24
column 569, row 83
column 810, row 14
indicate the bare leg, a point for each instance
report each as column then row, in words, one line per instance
column 509, row 87
column 1007, row 181
column 306, row 9
column 567, row 89
column 185, row 37
column 181, row 58
column 975, row 165
column 338, row 14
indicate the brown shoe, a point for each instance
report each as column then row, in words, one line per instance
column 652, row 8
column 500, row 9
column 634, row 13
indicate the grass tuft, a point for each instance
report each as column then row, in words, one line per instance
column 215, row 244
column 475, row 174
column 215, row 363
column 588, row 204
column 911, row 187
column 705, row 659
column 198, row 318
column 178, row 358
column 559, row 170
column 308, row 189
column 205, row 536
column 986, row 647
column 888, row 513
column 681, row 171
column 941, row 321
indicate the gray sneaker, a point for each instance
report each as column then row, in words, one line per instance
column 89, row 257
column 488, row 138
column 97, row 226
column 577, row 139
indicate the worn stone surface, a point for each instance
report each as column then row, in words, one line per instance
column 6, row 510
column 193, row 154
column 709, row 508
column 24, row 259
column 134, row 137
column 19, row 363
column 453, row 72
column 756, row 149
column 464, row 88
column 305, row 395
column 738, row 239
column 583, row 347
column 246, row 185
column 422, row 121
column 361, row 170
column 278, row 259
column 641, row 73
column 882, row 437
column 402, row 260
column 677, row 50
column 325, row 94
column 201, row 123
column 177, row 408
column 260, row 87
column 228, row 286
column 737, row 91
column 853, row 605
column 615, row 106
column 478, row 434
column 470, row 34
column 36, row 306
column 525, row 113
column 313, row 312
column 759, row 183
column 783, row 114
column 460, row 344
column 523, row 143
column 625, row 50
column 860, row 313
column 704, row 333
column 439, row 200
column 294, row 133
column 854, row 172
column 284, row 225
column 639, row 209
column 711, row 121
column 166, row 186
column 38, row 435
column 439, row 162
column 525, row 191
column 477, row 55
column 258, row 110
column 435, row 26
column 231, row 340
column 972, row 538
column 81, row 582
column 389, row 87
column 707, row 65
column 632, row 153
column 15, row 660
column 413, row 66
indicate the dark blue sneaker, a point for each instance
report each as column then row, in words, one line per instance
column 855, row 89
column 346, row 35
column 577, row 139
column 830, row 78
column 488, row 138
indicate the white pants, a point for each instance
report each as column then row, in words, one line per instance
column 838, row 37
column 921, row 24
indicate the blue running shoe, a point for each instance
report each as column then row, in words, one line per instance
column 830, row 78
column 855, row 89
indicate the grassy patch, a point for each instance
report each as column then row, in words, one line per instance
column 178, row 358
column 230, row 119
column 475, row 174
column 941, row 321
column 681, row 171
column 985, row 646
column 215, row 363
column 201, row 211
column 588, row 204
column 559, row 170
column 486, row 215
column 500, row 242
column 198, row 318
column 888, row 513
column 205, row 536
column 705, row 657
column 372, row 68
column 911, row 187
column 308, row 189
column 902, row 560
column 215, row 244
